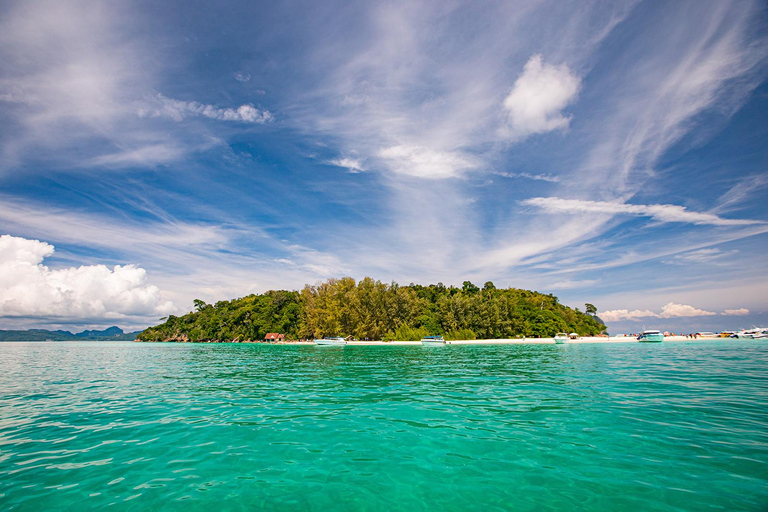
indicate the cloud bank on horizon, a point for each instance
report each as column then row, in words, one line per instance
column 611, row 153
column 29, row 289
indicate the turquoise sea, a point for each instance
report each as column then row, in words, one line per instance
column 133, row 426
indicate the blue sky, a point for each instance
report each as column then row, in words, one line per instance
column 605, row 152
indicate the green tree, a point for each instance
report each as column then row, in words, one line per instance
column 468, row 287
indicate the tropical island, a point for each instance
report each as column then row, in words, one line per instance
column 372, row 310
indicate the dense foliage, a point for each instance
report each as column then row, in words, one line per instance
column 374, row 310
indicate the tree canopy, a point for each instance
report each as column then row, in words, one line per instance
column 370, row 309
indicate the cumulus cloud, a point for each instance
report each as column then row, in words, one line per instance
column 672, row 310
column 179, row 110
column 658, row 212
column 736, row 312
column 427, row 163
column 669, row 310
column 536, row 101
column 30, row 289
column 616, row 315
column 351, row 164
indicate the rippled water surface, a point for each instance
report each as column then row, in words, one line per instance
column 130, row 426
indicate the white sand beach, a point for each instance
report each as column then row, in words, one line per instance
column 525, row 341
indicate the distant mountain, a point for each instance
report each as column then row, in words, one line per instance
column 109, row 332
column 113, row 333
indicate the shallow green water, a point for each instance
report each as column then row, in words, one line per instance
column 671, row 426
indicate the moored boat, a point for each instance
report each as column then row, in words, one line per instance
column 433, row 341
column 332, row 341
column 751, row 334
column 561, row 338
column 651, row 336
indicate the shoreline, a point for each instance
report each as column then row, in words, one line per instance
column 522, row 341
column 503, row 341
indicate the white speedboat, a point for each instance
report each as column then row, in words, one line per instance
column 751, row 334
column 336, row 341
column 433, row 341
column 651, row 336
column 561, row 338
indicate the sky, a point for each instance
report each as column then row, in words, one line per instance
column 608, row 152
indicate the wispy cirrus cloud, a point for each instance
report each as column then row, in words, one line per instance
column 72, row 82
column 658, row 212
column 745, row 189
column 681, row 74
column 571, row 284
column 537, row 177
column 421, row 162
column 353, row 165
column 78, row 82
column 709, row 255
column 179, row 110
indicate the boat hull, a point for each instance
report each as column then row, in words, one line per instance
column 651, row 338
column 433, row 343
column 561, row 341
column 331, row 343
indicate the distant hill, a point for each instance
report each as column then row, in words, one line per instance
column 113, row 333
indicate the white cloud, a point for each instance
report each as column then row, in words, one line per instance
column 76, row 75
column 539, row 177
column 242, row 77
column 708, row 255
column 179, row 110
column 740, row 194
column 353, row 165
column 710, row 63
column 736, row 312
column 427, row 163
column 571, row 284
column 659, row 212
column 536, row 101
column 318, row 264
column 616, row 315
column 148, row 155
column 669, row 310
column 672, row 310
column 30, row 289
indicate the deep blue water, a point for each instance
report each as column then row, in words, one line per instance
column 131, row 426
